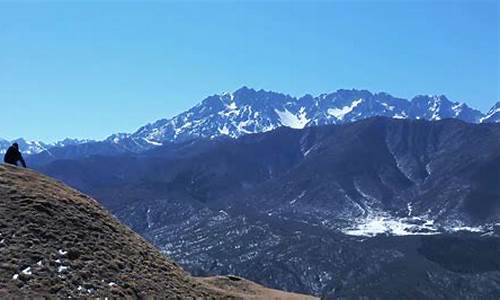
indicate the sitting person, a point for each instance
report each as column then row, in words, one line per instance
column 12, row 156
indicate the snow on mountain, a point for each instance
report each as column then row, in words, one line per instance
column 27, row 147
column 35, row 147
column 340, row 113
column 250, row 111
column 493, row 115
column 69, row 142
column 439, row 107
column 247, row 111
column 4, row 145
column 291, row 120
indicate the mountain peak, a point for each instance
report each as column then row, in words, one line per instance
column 117, row 137
column 244, row 89
column 244, row 92
column 493, row 115
column 432, row 98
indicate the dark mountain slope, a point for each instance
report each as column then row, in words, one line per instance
column 295, row 209
column 381, row 164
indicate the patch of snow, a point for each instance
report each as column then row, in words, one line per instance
column 241, row 127
column 434, row 108
column 149, row 221
column 61, row 269
column 410, row 209
column 152, row 142
column 27, row 271
column 228, row 94
column 232, row 106
column 224, row 130
column 376, row 223
column 457, row 108
column 297, row 198
column 355, row 203
column 306, row 153
column 387, row 106
column 380, row 224
column 184, row 126
column 490, row 114
column 428, row 168
column 357, row 186
column 288, row 119
column 230, row 113
column 268, row 128
column 467, row 228
column 340, row 113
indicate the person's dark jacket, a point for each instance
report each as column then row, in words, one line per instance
column 12, row 156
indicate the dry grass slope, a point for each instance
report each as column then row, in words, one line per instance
column 55, row 241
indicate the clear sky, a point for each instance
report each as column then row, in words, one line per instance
column 90, row 69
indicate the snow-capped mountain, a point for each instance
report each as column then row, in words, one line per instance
column 28, row 147
column 4, row 144
column 249, row 111
column 35, row 147
column 493, row 115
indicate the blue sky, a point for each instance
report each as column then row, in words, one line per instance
column 89, row 69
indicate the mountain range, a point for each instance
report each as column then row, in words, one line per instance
column 35, row 147
column 381, row 207
column 247, row 111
